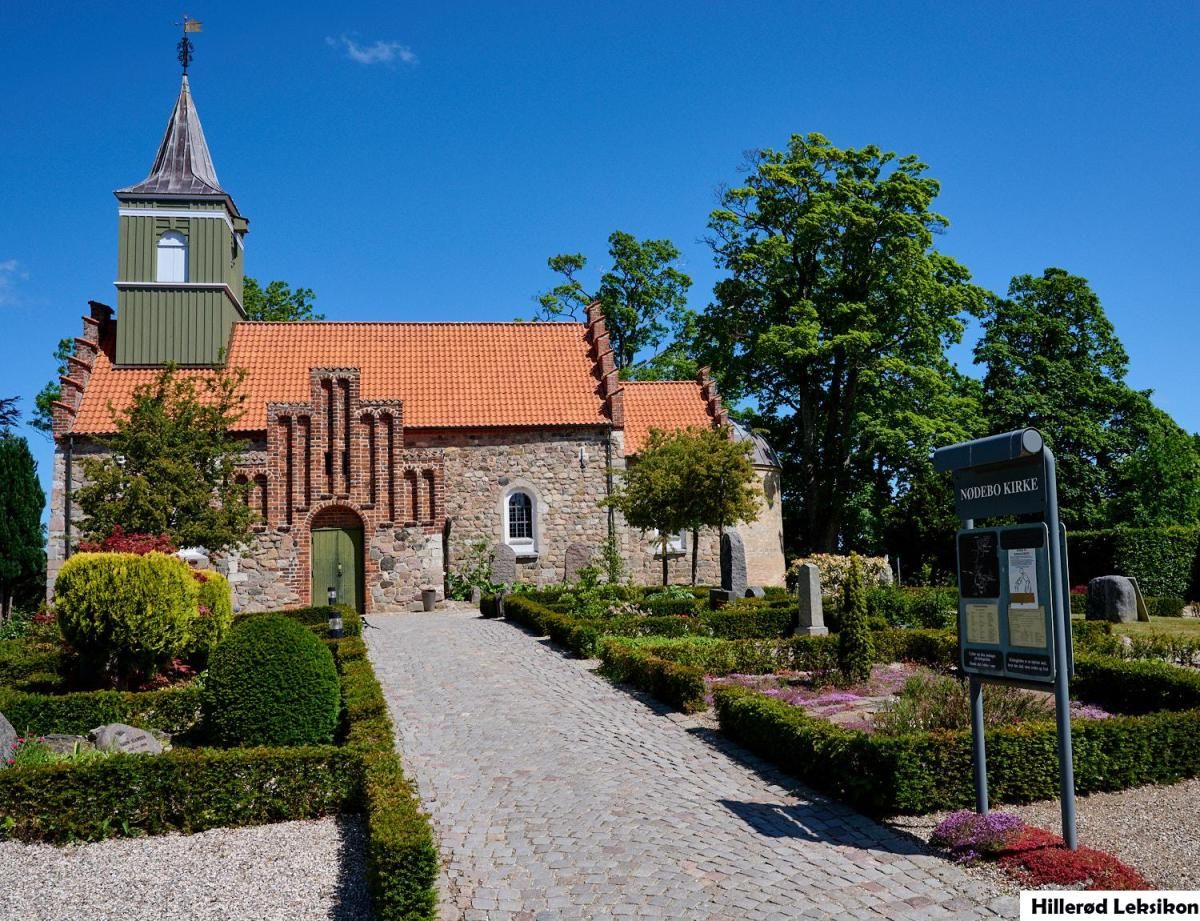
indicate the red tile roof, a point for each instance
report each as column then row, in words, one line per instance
column 449, row 375
column 663, row 405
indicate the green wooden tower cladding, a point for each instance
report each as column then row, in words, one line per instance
column 179, row 255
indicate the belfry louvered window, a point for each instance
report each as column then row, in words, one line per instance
column 172, row 257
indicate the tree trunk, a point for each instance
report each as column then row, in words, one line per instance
column 695, row 553
column 665, row 560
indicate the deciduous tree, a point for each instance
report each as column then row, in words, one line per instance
column 43, row 413
column 834, row 320
column 277, row 302
column 644, row 298
column 169, row 467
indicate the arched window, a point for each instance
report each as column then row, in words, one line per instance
column 519, row 530
column 172, row 257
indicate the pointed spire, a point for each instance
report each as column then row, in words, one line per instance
column 183, row 165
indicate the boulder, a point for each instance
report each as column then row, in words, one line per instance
column 756, row 591
column 1112, row 598
column 118, row 737
column 8, row 740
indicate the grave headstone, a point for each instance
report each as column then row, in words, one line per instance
column 733, row 564
column 476, row 595
column 504, row 565
column 810, row 617
column 756, row 591
column 63, row 744
column 1112, row 598
column 8, row 739
column 127, row 739
column 578, row 556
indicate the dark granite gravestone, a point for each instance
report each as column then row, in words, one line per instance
column 1112, row 598
column 578, row 556
column 121, row 738
column 504, row 565
column 810, row 619
column 8, row 740
column 733, row 564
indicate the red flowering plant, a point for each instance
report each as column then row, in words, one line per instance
column 121, row 542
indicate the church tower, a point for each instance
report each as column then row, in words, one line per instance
column 180, row 254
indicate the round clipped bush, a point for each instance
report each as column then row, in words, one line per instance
column 271, row 682
column 126, row 614
column 214, row 612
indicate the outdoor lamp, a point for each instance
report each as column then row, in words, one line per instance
column 335, row 616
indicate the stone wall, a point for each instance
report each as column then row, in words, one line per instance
column 482, row 468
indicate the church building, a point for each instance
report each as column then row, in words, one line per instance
column 377, row 454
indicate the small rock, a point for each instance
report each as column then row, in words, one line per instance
column 63, row 744
column 8, row 740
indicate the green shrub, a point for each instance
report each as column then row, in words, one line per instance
column 744, row 620
column 1165, row 607
column 214, row 613
column 489, row 605
column 913, row 607
column 855, row 651
column 315, row 618
column 930, row 704
column 127, row 615
column 271, row 682
column 680, row 685
column 175, row 710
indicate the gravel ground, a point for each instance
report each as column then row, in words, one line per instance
column 1153, row 829
column 292, row 871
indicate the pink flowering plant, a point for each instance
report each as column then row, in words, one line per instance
column 969, row 836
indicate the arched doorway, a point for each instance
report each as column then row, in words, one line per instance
column 337, row 556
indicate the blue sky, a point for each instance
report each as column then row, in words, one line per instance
column 420, row 162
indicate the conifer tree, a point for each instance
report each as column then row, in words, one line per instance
column 855, row 649
column 22, row 546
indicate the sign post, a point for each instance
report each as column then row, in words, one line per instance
column 1014, row 624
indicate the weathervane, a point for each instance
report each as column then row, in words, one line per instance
column 185, row 46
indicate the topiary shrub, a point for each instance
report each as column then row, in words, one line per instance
column 271, row 682
column 855, row 649
column 126, row 614
column 214, row 612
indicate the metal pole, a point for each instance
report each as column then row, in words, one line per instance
column 978, row 742
column 1062, row 626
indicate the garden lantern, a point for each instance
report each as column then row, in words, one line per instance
column 335, row 616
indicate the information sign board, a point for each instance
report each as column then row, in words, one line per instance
column 1006, row 605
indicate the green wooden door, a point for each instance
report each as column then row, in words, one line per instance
column 337, row 562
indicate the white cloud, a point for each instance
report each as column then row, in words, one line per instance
column 10, row 273
column 379, row 52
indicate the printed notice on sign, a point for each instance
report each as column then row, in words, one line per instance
column 1022, row 578
column 1027, row 627
column 983, row 624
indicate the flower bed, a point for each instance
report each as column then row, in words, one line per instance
column 924, row 771
column 190, row 789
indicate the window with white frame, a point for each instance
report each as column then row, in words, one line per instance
column 520, row 531
column 172, row 257
column 676, row 543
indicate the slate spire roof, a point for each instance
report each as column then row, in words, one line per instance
column 183, row 165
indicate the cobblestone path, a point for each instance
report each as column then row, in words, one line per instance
column 555, row 795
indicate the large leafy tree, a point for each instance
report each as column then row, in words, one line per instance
column 9, row 414
column 644, row 297
column 686, row 480
column 833, row 322
column 278, row 301
column 1157, row 483
column 22, row 545
column 1052, row 360
column 169, row 467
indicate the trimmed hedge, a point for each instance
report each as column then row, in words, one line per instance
column 315, row 618
column 1165, row 561
column 175, row 711
column 214, row 613
column 682, row 686
column 489, row 605
column 196, row 789
column 924, row 772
